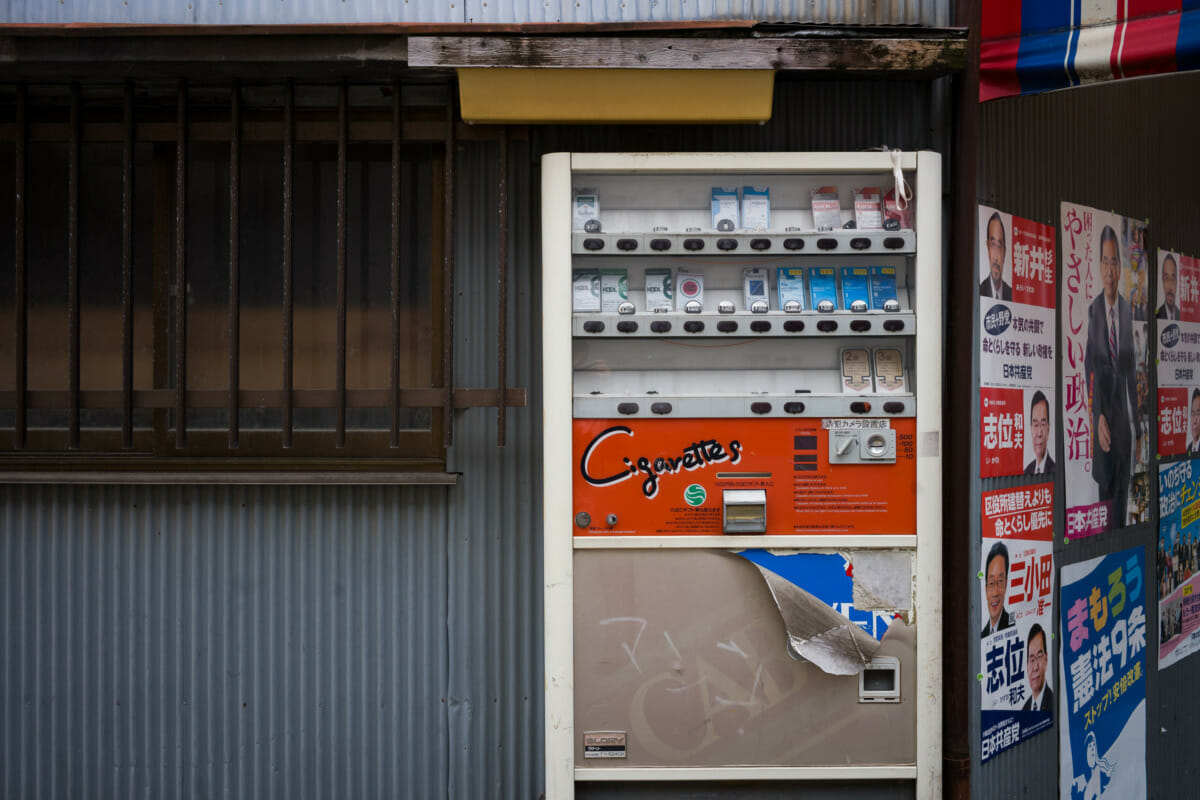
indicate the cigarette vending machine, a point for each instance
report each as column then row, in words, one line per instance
column 742, row 412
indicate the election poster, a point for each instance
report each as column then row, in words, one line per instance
column 1017, row 585
column 1016, row 345
column 1178, row 551
column 1105, row 371
column 1178, row 334
column 1102, row 673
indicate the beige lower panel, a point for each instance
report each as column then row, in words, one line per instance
column 685, row 651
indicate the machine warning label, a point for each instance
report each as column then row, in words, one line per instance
column 670, row 477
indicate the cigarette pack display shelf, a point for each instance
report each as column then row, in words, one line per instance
column 767, row 243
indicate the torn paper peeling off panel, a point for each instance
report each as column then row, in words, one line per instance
column 883, row 580
column 814, row 595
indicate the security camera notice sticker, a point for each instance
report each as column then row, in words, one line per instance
column 604, row 744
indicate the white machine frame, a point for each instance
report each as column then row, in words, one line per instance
column 923, row 170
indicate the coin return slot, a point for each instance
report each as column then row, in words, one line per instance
column 727, row 244
column 793, row 326
column 660, row 326
column 593, row 326
column 693, row 244
column 760, row 326
column 727, row 326
column 760, row 244
column 827, row 326
column 627, row 327
column 627, row 244
column 879, row 682
column 660, row 408
column 660, row 244
column 793, row 244
column 860, row 325
column 744, row 511
column 893, row 325
column 693, row 326
column 593, row 244
column 627, row 408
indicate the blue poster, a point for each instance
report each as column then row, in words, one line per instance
column 1102, row 672
column 1177, row 561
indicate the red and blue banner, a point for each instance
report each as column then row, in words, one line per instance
column 1031, row 46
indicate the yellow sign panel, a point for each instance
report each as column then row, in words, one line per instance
column 531, row 95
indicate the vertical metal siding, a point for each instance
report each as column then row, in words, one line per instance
column 233, row 642
column 495, row 532
column 1124, row 146
column 268, row 12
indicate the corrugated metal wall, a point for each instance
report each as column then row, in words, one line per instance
column 1129, row 147
column 273, row 12
column 339, row 641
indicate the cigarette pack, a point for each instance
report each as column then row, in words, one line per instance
column 689, row 286
column 822, row 286
column 856, row 288
column 614, row 289
column 585, row 285
column 756, row 208
column 725, row 209
column 883, row 285
column 790, row 283
column 856, row 370
column 868, row 208
column 891, row 210
column 826, row 211
column 754, row 289
column 889, row 370
column 586, row 209
column 659, row 294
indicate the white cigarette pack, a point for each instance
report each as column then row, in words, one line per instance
column 585, row 290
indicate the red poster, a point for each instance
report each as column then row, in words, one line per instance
column 1033, row 263
column 1002, row 432
column 1172, row 421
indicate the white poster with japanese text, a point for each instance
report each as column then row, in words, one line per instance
column 1017, row 587
column 1016, row 345
column 1105, row 370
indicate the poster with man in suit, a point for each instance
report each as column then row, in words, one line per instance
column 1177, row 337
column 1017, row 583
column 1105, row 368
column 1016, row 344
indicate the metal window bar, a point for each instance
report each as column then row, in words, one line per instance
column 394, row 440
column 235, row 151
column 19, row 274
column 343, row 134
column 73, row 269
column 127, row 137
column 502, row 296
column 448, row 277
column 180, row 397
column 181, row 269
column 289, row 153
